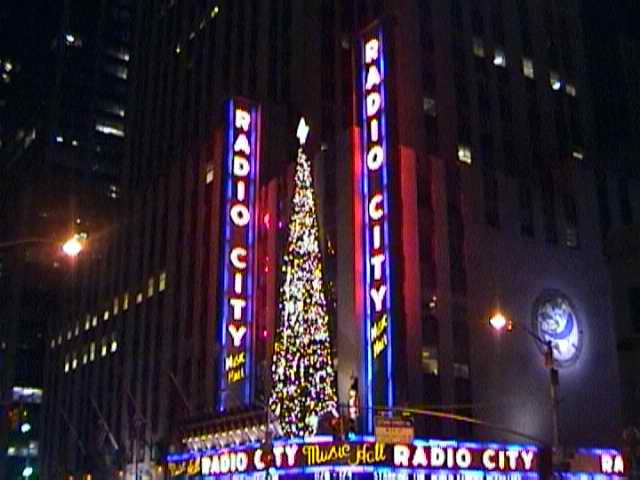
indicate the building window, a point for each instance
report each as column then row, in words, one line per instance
column 66, row 363
column 72, row 40
column 114, row 344
column 527, row 68
column 554, row 80
column 499, row 58
column 162, row 281
column 103, row 349
column 110, row 128
column 92, row 351
column 478, row 47
column 116, row 306
column 105, row 315
column 430, row 361
column 464, row 154
column 139, row 298
column 209, row 177
column 150, row 287
column 570, row 89
column 429, row 106
column 87, row 322
column 125, row 302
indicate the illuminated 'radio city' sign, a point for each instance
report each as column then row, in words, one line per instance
column 238, row 270
column 375, row 201
column 450, row 456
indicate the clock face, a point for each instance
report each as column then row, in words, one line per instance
column 555, row 320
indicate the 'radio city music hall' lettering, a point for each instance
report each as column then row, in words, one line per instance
column 239, row 184
column 375, row 202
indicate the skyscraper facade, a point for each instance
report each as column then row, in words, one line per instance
column 452, row 157
column 63, row 95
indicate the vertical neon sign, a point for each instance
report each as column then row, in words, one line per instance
column 378, row 324
column 239, row 253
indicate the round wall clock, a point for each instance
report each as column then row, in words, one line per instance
column 555, row 320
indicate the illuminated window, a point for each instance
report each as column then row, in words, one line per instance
column 114, row 191
column 464, row 154
column 94, row 321
column 114, row 344
column 577, row 154
column 59, row 339
column 116, row 306
column 84, row 357
column 139, row 297
column 527, row 68
column 430, row 361
column 92, row 351
column 214, row 11
column 72, row 40
column 570, row 89
column 150, row 287
column 122, row 54
column 74, row 143
column 429, row 106
column 162, row 281
column 499, row 58
column 76, row 331
column 105, row 315
column 68, row 334
column 87, row 322
column 59, row 139
column 478, row 47
column 209, row 173
column 74, row 362
column 117, row 70
column 125, row 302
column 103, row 349
column 66, row 363
column 111, row 128
column 554, row 80
column 461, row 370
column 178, row 49
column 53, row 343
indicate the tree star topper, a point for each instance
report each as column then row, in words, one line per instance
column 303, row 131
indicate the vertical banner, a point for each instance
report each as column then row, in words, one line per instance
column 378, row 322
column 238, row 253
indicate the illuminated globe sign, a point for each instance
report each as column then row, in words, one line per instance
column 555, row 321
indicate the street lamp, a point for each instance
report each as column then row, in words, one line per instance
column 71, row 247
column 499, row 323
column 74, row 245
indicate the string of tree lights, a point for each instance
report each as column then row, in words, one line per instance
column 302, row 370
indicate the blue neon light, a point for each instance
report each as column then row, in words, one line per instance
column 249, row 237
column 369, row 363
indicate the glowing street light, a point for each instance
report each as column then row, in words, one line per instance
column 73, row 246
column 498, row 321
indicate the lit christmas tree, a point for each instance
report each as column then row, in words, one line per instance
column 303, row 376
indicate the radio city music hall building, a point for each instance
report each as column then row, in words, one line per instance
column 450, row 150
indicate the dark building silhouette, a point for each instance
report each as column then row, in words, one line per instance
column 614, row 72
column 62, row 113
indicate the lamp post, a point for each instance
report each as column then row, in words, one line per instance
column 500, row 323
column 71, row 247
